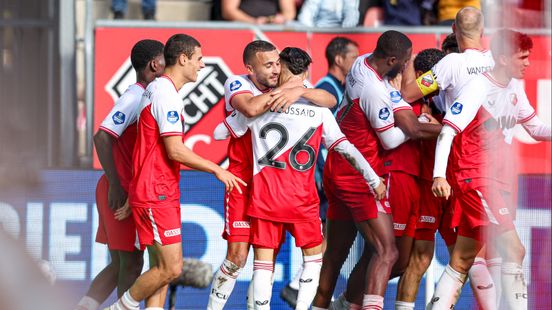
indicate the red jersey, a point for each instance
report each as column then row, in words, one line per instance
column 240, row 153
column 285, row 148
column 155, row 182
column 369, row 111
column 121, row 124
column 484, row 116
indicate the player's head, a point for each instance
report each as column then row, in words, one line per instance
column 341, row 53
column 450, row 45
column 262, row 62
column 295, row 61
column 468, row 24
column 395, row 48
column 426, row 59
column 184, row 51
column 147, row 59
column 511, row 50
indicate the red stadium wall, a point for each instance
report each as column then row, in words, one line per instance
column 204, row 101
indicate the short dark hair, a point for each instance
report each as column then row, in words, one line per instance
column 426, row 59
column 392, row 43
column 254, row 47
column 508, row 42
column 450, row 44
column 179, row 44
column 337, row 46
column 295, row 59
column 143, row 52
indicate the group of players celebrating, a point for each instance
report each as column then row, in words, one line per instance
column 416, row 145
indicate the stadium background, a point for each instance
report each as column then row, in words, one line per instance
column 48, row 177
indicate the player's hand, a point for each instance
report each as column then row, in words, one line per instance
column 381, row 190
column 431, row 119
column 116, row 196
column 396, row 82
column 229, row 180
column 282, row 99
column 441, row 188
column 123, row 212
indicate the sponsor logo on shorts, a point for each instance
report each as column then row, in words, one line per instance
column 240, row 224
column 172, row 117
column 427, row 80
column 427, row 219
column 456, row 108
column 503, row 211
column 118, row 118
column 172, row 232
column 398, row 226
column 384, row 113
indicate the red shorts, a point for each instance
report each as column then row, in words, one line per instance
column 268, row 234
column 236, row 220
column 481, row 205
column 118, row 235
column 404, row 197
column 435, row 213
column 161, row 225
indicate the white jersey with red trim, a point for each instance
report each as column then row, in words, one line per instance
column 156, row 177
column 453, row 71
column 239, row 84
column 484, row 115
column 121, row 124
column 285, row 148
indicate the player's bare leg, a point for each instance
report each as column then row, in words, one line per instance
column 308, row 284
column 482, row 283
column 263, row 268
column 102, row 285
column 157, row 298
column 404, row 245
column 514, row 288
column 340, row 236
column 379, row 234
column 225, row 278
column 168, row 268
column 409, row 283
column 130, row 267
column 453, row 278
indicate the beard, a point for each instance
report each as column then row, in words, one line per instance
column 394, row 72
column 267, row 83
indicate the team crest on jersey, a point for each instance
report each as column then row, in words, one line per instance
column 427, row 80
column 235, row 85
column 384, row 113
column 395, row 96
column 118, row 118
column 513, row 99
column 172, row 117
column 456, row 108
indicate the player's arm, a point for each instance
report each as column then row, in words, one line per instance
column 231, row 11
column 377, row 108
column 234, row 125
column 537, row 129
column 440, row 187
column 408, row 122
column 415, row 88
column 250, row 105
column 177, row 151
column 288, row 93
column 391, row 138
column 103, row 142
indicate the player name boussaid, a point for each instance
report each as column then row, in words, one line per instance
column 299, row 111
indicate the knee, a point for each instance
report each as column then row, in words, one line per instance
column 172, row 271
column 462, row 263
column 237, row 256
column 133, row 267
column 388, row 253
column 516, row 252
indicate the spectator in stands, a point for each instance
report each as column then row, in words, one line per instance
column 119, row 9
column 401, row 13
column 329, row 13
column 447, row 9
column 258, row 11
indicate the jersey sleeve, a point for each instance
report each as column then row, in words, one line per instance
column 397, row 101
column 376, row 105
column 331, row 134
column 122, row 114
column 233, row 86
column 441, row 76
column 526, row 112
column 237, row 124
column 467, row 104
column 167, row 113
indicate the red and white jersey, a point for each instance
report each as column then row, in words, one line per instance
column 485, row 125
column 240, row 153
column 453, row 71
column 155, row 182
column 369, row 111
column 121, row 124
column 285, row 148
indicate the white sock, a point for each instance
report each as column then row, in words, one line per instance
column 309, row 281
column 318, row 308
column 88, row 303
column 154, row 308
column 294, row 284
column 126, row 302
column 482, row 284
column 372, row 302
column 494, row 265
column 250, row 299
column 223, row 284
column 514, row 288
column 262, row 283
column 404, row 305
column 448, row 289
